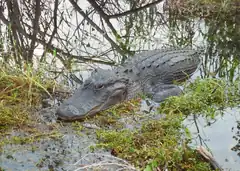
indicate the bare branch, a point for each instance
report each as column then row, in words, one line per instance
column 55, row 26
column 54, row 21
column 58, row 28
column 58, row 50
column 80, row 11
column 103, row 15
column 35, row 30
column 134, row 10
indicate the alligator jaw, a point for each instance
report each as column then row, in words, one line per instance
column 65, row 117
column 73, row 108
column 93, row 112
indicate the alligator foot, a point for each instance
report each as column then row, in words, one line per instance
column 160, row 92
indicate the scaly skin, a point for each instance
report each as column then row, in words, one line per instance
column 151, row 72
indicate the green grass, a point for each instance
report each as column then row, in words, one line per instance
column 21, row 92
column 155, row 145
column 205, row 96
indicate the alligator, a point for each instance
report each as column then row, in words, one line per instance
column 152, row 72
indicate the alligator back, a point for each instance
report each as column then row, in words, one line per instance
column 165, row 66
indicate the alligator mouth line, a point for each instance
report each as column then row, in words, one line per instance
column 89, row 114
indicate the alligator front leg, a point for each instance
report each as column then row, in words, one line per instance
column 160, row 92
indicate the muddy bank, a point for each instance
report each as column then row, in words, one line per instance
column 52, row 152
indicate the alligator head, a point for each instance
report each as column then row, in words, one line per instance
column 102, row 90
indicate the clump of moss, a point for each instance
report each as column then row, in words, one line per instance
column 33, row 137
column 12, row 115
column 204, row 96
column 113, row 114
column 155, row 145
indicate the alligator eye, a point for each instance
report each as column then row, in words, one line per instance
column 99, row 86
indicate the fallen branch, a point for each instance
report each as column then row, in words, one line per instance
column 208, row 156
column 106, row 162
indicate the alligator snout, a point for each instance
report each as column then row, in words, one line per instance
column 69, row 112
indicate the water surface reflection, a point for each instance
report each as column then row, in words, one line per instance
column 221, row 136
